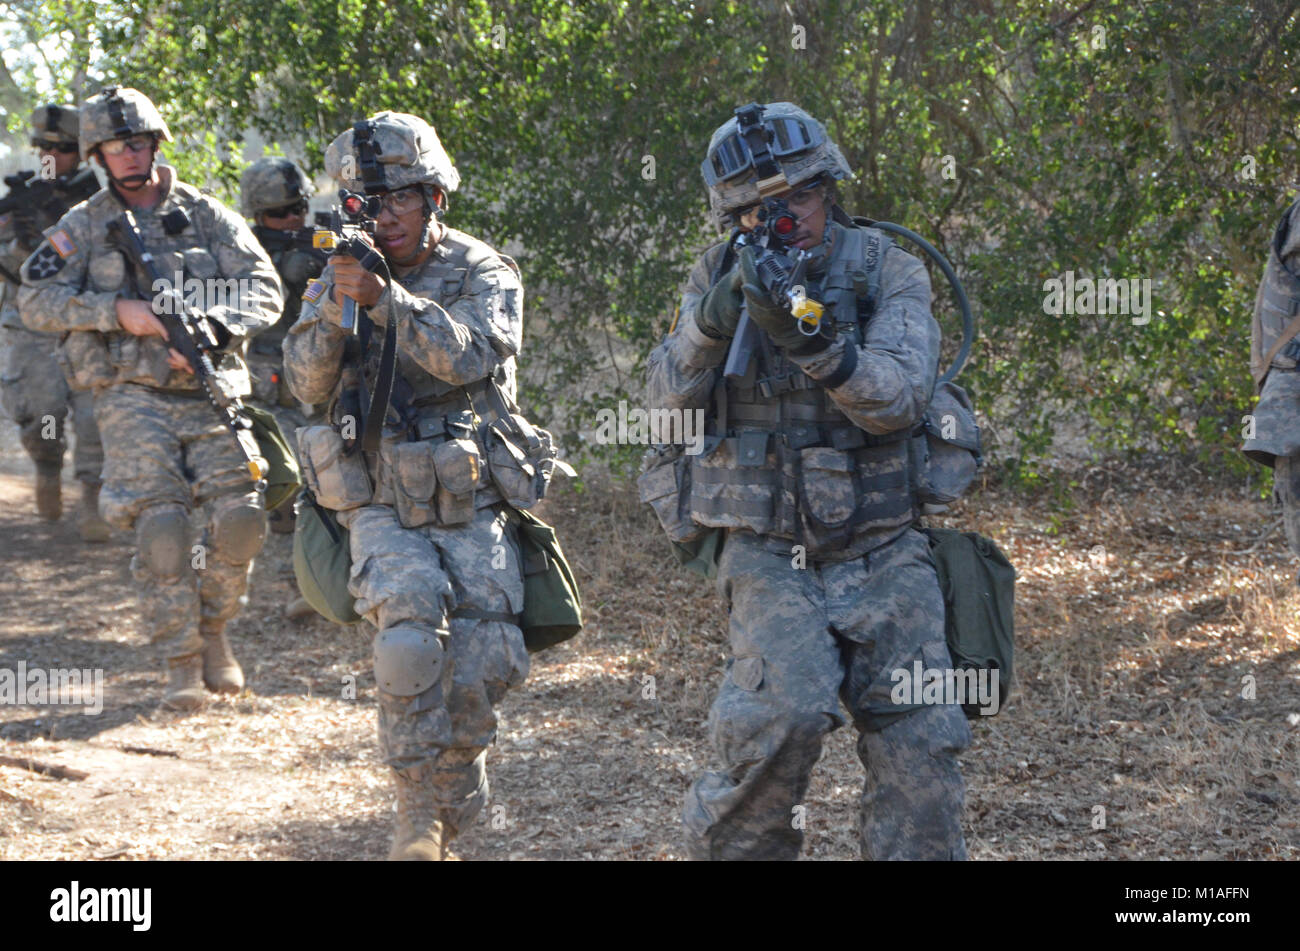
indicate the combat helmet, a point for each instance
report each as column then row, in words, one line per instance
column 54, row 124
column 272, row 182
column 798, row 144
column 388, row 151
column 118, row 114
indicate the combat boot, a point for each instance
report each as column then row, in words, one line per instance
column 90, row 525
column 221, row 672
column 418, row 835
column 49, row 493
column 184, row 683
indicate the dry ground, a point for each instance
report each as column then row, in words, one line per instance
column 1143, row 602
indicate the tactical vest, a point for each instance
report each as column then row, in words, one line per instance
column 780, row 458
column 1273, row 341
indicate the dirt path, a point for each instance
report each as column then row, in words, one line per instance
column 1138, row 613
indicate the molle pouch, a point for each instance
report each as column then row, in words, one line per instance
column 458, row 465
column 946, row 453
column 415, row 482
column 83, row 357
column 665, row 485
column 727, row 488
column 338, row 482
column 828, row 496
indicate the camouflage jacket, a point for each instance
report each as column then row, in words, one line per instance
column 784, row 457
column 459, row 320
column 71, row 284
column 14, row 251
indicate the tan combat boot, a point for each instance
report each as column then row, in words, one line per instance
column 90, row 526
column 184, row 683
column 49, row 493
column 418, row 833
column 221, row 672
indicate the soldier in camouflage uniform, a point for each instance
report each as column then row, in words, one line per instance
column 33, row 391
column 167, row 453
column 435, row 556
column 1272, row 432
column 274, row 192
column 830, row 587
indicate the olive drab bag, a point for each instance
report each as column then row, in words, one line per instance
column 322, row 561
column 552, row 605
column 283, row 477
column 978, row 584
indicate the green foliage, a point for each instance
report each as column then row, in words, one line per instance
column 1111, row 139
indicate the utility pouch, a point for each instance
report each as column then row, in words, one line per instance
column 338, row 481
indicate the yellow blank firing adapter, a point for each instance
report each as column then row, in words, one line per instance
column 325, row 240
column 807, row 312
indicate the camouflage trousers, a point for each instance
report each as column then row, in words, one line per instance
column 167, row 459
column 803, row 639
column 35, row 395
column 1286, row 486
column 420, row 577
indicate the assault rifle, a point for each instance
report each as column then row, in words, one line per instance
column 304, row 239
column 30, row 193
column 782, row 274
column 189, row 332
column 351, row 223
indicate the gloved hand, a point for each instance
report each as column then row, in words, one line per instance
column 720, row 310
column 775, row 319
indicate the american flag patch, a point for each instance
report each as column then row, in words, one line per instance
column 63, row 244
column 314, row 290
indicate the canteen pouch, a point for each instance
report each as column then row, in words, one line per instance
column 338, row 482
column 415, row 482
column 457, row 463
column 946, row 452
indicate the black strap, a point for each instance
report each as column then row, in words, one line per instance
column 480, row 615
column 378, row 399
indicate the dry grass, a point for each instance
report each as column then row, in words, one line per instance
column 1139, row 611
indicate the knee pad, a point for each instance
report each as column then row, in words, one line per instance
column 408, row 661
column 237, row 529
column 162, row 537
